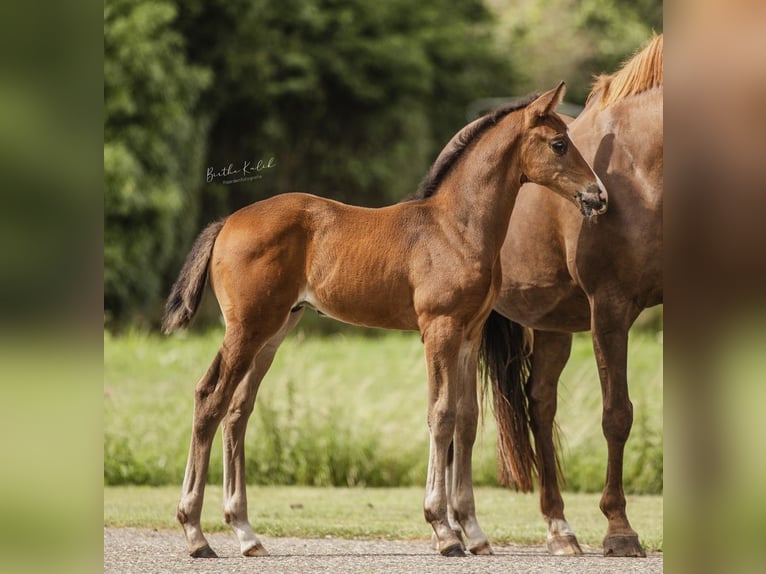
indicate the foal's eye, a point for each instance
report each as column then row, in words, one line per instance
column 559, row 147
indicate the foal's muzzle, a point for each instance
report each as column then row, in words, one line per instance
column 593, row 201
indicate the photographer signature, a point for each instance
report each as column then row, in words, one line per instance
column 245, row 171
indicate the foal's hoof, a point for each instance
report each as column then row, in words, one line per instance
column 483, row 549
column 256, row 550
column 624, row 546
column 566, row 545
column 435, row 540
column 203, row 552
column 453, row 551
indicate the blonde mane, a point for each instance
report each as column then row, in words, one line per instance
column 642, row 72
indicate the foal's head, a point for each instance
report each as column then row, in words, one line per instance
column 549, row 158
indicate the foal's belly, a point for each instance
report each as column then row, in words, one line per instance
column 368, row 307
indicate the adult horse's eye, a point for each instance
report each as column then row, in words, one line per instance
column 559, row 147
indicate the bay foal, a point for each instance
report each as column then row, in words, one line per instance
column 429, row 264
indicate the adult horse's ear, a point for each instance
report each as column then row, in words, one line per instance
column 546, row 104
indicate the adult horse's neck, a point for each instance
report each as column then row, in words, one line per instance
column 480, row 192
column 609, row 140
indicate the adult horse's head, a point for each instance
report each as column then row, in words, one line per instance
column 549, row 158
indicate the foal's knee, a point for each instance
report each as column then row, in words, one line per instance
column 467, row 412
column 441, row 422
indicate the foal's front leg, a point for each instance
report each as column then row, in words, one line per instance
column 461, row 498
column 441, row 351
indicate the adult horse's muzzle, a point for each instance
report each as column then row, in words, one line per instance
column 593, row 201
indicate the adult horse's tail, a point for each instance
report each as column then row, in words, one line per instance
column 186, row 293
column 505, row 360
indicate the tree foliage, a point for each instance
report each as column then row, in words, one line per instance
column 574, row 40
column 352, row 97
column 151, row 143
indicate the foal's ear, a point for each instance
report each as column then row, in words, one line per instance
column 546, row 104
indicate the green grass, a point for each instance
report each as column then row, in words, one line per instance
column 387, row 513
column 347, row 410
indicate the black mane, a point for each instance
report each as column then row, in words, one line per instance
column 442, row 166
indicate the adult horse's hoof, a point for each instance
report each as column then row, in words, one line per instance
column 623, row 546
column 257, row 550
column 203, row 552
column 566, row 545
column 453, row 551
column 483, row 549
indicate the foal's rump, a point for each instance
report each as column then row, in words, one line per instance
column 295, row 249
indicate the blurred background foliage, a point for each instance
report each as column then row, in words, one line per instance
column 352, row 98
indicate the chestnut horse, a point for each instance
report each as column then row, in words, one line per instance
column 430, row 264
column 562, row 275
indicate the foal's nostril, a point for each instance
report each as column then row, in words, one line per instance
column 592, row 201
column 597, row 198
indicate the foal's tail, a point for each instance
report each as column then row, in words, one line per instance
column 506, row 359
column 186, row 293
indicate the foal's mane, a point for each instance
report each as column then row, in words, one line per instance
column 469, row 134
column 642, row 72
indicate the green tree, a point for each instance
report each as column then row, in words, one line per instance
column 151, row 145
column 352, row 97
column 573, row 40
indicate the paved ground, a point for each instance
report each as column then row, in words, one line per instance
column 136, row 551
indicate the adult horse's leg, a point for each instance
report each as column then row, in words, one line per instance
column 441, row 349
column 234, row 427
column 610, row 343
column 461, row 496
column 211, row 400
column 551, row 352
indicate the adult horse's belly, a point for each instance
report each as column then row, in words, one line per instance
column 562, row 308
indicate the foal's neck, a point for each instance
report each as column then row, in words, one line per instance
column 482, row 189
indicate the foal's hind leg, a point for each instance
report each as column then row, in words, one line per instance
column 234, row 427
column 211, row 399
column 551, row 353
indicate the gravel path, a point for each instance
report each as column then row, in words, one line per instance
column 138, row 551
